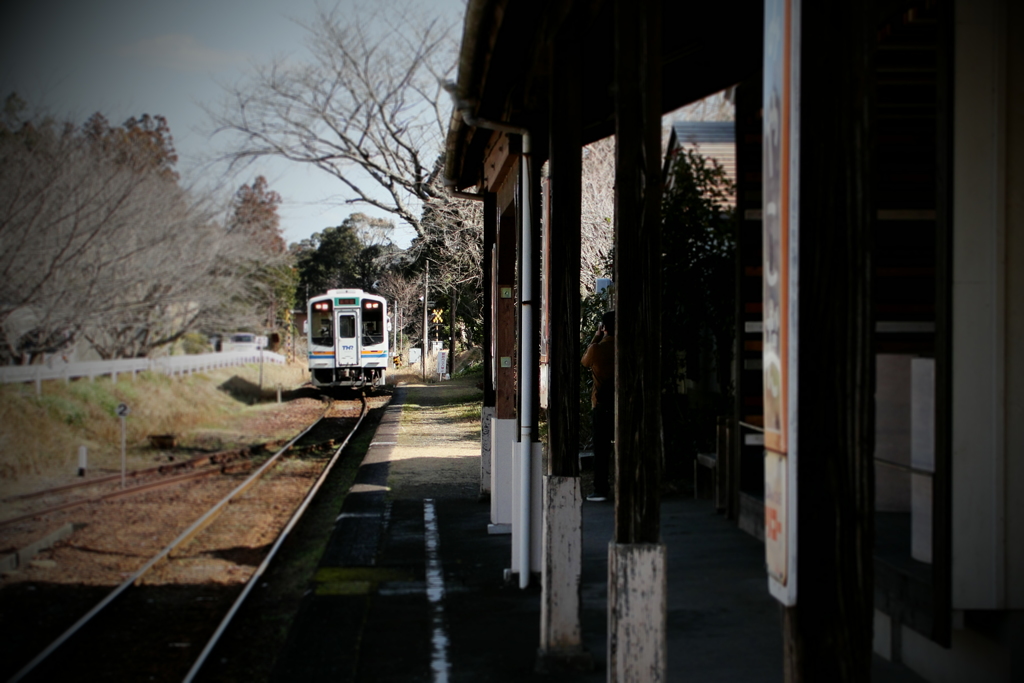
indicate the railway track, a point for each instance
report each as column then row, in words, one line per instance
column 149, row 627
column 77, row 494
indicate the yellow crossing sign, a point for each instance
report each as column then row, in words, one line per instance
column 437, row 315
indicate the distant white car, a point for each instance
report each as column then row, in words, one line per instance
column 244, row 341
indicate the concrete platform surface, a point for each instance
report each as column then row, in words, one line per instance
column 412, row 588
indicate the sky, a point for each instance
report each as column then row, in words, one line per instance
column 124, row 58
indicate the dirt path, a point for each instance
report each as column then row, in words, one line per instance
column 438, row 448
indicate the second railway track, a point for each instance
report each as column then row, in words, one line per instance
column 156, row 622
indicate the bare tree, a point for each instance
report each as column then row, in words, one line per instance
column 403, row 293
column 597, row 210
column 367, row 105
column 185, row 272
column 452, row 241
column 96, row 245
column 60, row 202
column 599, row 183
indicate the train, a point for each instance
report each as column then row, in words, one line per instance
column 347, row 331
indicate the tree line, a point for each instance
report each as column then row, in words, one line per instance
column 100, row 243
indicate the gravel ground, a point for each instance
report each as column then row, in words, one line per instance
column 114, row 538
column 117, row 536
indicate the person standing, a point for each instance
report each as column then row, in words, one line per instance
column 600, row 358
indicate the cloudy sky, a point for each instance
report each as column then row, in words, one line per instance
column 128, row 57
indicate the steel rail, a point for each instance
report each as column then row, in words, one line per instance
column 296, row 516
column 158, row 469
column 212, row 468
column 196, row 526
column 141, row 488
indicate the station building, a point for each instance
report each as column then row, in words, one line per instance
column 877, row 438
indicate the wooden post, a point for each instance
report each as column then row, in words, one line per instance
column 451, row 326
column 487, row 412
column 566, row 170
column 426, row 323
column 560, row 632
column 504, row 426
column 638, row 448
column 490, row 237
column 505, row 334
column 827, row 635
column 637, row 589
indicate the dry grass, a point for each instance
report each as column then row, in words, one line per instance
column 413, row 373
column 40, row 436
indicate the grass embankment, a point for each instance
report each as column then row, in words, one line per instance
column 40, row 435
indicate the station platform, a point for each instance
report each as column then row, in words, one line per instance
column 411, row 586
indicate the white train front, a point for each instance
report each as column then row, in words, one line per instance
column 347, row 330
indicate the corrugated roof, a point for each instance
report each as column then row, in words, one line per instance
column 713, row 139
column 702, row 132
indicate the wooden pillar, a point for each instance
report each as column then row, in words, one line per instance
column 505, row 318
column 638, row 448
column 566, row 170
column 504, row 425
column 561, row 642
column 637, row 589
column 828, row 632
column 490, row 218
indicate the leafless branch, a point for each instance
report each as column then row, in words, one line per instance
column 365, row 105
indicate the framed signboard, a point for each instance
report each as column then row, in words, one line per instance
column 781, row 229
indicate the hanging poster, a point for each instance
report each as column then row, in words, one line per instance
column 780, row 221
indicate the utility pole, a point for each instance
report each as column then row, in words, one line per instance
column 451, row 327
column 426, row 330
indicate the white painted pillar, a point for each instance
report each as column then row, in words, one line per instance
column 503, row 443
column 486, row 427
column 561, row 566
column 637, row 613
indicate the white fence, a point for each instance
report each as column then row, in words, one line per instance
column 168, row 365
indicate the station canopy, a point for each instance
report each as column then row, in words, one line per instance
column 506, row 56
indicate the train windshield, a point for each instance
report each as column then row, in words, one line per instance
column 373, row 323
column 320, row 330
